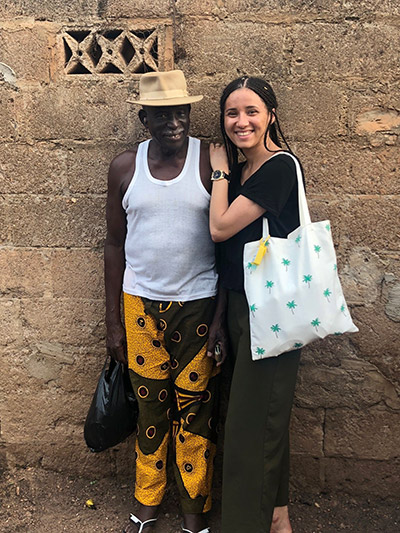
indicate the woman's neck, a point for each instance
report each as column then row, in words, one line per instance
column 255, row 157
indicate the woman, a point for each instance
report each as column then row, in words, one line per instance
column 256, row 456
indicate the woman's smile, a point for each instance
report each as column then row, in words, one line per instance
column 244, row 134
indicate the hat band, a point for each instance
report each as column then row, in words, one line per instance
column 164, row 95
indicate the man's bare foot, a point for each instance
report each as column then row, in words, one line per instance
column 194, row 522
column 143, row 513
column 280, row 521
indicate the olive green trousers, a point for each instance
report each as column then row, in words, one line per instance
column 256, row 450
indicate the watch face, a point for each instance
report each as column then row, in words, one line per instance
column 216, row 174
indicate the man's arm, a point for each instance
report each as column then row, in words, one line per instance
column 218, row 331
column 119, row 175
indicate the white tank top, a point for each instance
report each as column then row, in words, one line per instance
column 168, row 249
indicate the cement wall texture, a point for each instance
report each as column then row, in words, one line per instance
column 63, row 116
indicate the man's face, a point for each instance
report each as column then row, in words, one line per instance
column 168, row 125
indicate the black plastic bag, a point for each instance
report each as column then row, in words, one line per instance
column 113, row 413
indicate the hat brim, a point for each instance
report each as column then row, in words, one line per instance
column 168, row 101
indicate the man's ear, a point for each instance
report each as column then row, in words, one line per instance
column 143, row 117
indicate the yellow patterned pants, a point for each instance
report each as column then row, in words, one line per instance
column 176, row 386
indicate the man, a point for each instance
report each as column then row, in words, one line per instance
column 159, row 254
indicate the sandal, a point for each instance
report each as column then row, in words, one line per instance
column 206, row 530
column 146, row 523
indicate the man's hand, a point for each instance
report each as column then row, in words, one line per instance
column 116, row 343
column 217, row 341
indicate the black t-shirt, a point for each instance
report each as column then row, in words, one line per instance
column 274, row 187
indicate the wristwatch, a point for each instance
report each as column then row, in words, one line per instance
column 219, row 175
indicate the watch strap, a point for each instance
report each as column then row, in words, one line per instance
column 218, row 175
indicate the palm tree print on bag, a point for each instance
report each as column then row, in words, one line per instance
column 276, row 329
column 291, row 305
column 327, row 293
column 307, row 279
column 328, row 227
column 343, row 309
column 251, row 267
column 253, row 309
column 260, row 351
column 297, row 345
column 269, row 285
column 297, row 240
column 286, row 263
column 315, row 323
column 317, row 249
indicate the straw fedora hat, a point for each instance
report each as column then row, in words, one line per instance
column 164, row 89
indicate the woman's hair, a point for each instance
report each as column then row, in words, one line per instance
column 267, row 95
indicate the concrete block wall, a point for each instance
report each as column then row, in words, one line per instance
column 335, row 68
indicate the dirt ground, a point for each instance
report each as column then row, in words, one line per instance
column 38, row 501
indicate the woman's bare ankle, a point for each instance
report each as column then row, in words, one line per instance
column 280, row 520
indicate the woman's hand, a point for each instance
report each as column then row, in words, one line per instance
column 218, row 157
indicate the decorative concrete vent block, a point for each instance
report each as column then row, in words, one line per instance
column 117, row 50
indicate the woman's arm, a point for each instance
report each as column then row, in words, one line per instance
column 227, row 220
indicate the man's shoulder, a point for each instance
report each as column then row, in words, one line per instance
column 121, row 170
column 124, row 161
column 204, row 146
column 204, row 151
column 205, row 167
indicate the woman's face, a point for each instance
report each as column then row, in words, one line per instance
column 246, row 118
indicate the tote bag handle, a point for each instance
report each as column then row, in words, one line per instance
column 303, row 206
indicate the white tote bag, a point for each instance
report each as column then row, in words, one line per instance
column 292, row 286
